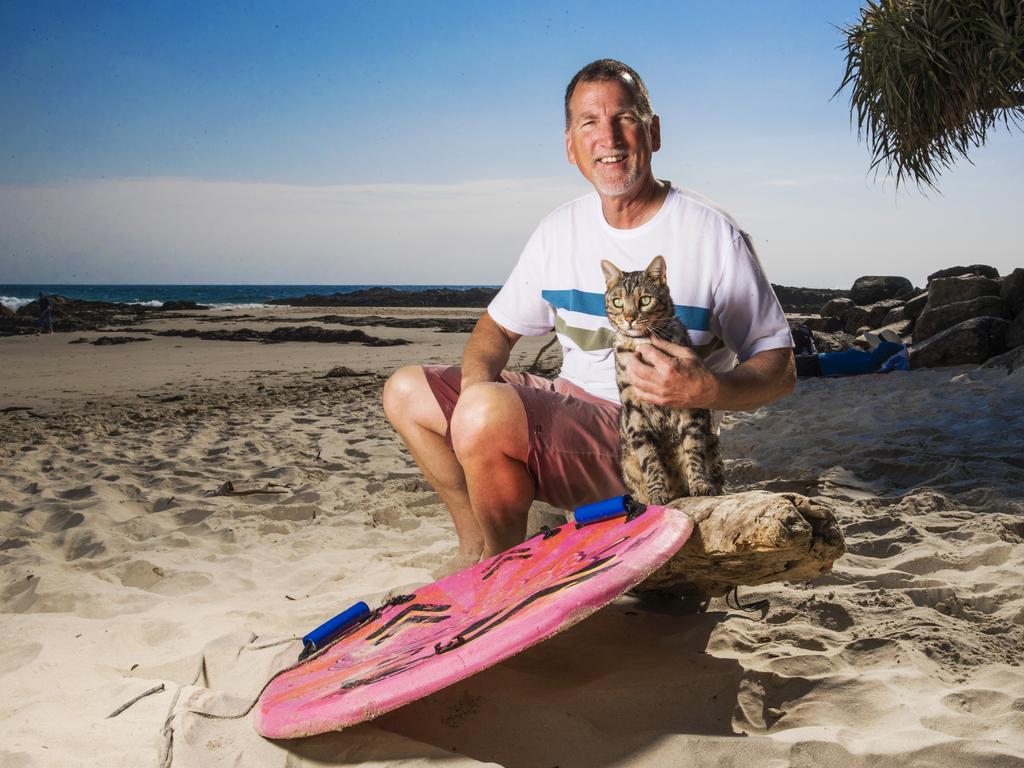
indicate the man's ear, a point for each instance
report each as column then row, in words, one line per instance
column 612, row 274
column 568, row 149
column 655, row 133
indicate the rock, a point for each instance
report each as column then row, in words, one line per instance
column 1012, row 291
column 948, row 290
column 839, row 307
column 872, row 316
column 832, row 342
column 915, row 306
column 895, row 315
column 1015, row 335
column 391, row 297
column 291, row 333
column 936, row 319
column 1011, row 361
column 814, row 323
column 6, row 312
column 975, row 269
column 873, row 288
column 175, row 305
column 972, row 341
column 804, row 300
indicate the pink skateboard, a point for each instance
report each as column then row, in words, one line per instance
column 416, row 644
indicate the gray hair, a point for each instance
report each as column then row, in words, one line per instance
column 604, row 70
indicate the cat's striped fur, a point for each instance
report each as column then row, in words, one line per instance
column 666, row 452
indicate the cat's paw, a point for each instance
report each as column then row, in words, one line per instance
column 701, row 488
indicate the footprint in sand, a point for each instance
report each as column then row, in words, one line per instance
column 76, row 494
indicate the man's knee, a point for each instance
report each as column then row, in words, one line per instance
column 404, row 390
column 489, row 417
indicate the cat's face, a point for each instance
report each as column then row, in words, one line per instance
column 637, row 302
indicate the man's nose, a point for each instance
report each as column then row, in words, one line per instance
column 610, row 133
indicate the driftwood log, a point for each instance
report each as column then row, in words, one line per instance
column 746, row 539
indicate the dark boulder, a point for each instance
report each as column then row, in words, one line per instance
column 1015, row 334
column 837, row 307
column 895, row 315
column 1011, row 361
column 972, row 341
column 937, row 319
column 176, row 305
column 874, row 288
column 816, row 323
column 948, row 290
column 869, row 317
column 1012, row 291
column 832, row 342
column 982, row 270
column 915, row 306
column 804, row 301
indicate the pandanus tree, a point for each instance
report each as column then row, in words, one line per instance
column 930, row 79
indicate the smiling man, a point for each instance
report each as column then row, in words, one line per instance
column 492, row 441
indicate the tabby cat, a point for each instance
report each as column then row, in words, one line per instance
column 666, row 452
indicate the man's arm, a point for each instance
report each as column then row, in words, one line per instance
column 486, row 352
column 664, row 373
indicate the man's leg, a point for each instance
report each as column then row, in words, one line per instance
column 412, row 409
column 490, row 433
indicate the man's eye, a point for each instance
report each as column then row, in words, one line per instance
column 645, row 300
column 617, row 303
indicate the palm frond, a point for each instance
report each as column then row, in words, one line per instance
column 930, row 78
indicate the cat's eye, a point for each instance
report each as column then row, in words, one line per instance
column 617, row 303
column 645, row 300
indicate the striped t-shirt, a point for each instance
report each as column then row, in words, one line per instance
column 715, row 279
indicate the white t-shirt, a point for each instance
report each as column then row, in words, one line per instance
column 714, row 277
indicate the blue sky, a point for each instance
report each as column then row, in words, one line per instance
column 421, row 141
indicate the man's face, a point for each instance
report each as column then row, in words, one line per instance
column 606, row 138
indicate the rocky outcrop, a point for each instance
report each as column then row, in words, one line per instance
column 294, row 333
column 972, row 341
column 874, row 288
column 969, row 311
column 391, row 297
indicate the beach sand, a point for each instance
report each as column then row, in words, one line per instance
column 121, row 572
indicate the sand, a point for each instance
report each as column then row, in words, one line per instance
column 121, row 573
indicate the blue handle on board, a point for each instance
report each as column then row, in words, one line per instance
column 601, row 510
column 333, row 627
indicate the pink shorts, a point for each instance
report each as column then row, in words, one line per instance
column 574, row 436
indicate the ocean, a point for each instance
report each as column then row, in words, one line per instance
column 218, row 296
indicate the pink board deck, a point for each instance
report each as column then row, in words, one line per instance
column 466, row 622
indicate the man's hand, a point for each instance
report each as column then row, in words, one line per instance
column 672, row 375
column 668, row 374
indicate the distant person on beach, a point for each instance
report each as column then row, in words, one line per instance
column 45, row 314
column 492, row 441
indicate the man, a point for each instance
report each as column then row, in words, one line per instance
column 491, row 441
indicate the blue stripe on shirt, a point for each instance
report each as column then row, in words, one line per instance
column 694, row 318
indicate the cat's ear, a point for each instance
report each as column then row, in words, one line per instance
column 656, row 269
column 612, row 274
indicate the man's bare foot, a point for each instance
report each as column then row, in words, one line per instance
column 454, row 564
